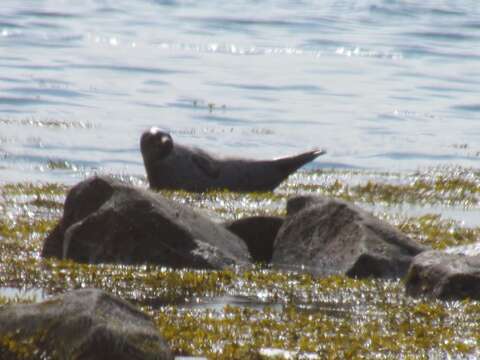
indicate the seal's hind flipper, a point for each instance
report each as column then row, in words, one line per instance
column 289, row 164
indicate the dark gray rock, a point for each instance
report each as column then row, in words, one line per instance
column 82, row 200
column 444, row 276
column 173, row 166
column 107, row 222
column 82, row 324
column 327, row 236
column 259, row 233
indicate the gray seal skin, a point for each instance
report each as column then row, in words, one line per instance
column 177, row 167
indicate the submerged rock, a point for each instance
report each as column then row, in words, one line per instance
column 82, row 324
column 107, row 221
column 444, row 276
column 327, row 236
column 259, row 233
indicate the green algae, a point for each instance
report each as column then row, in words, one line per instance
column 26, row 348
column 438, row 233
column 450, row 186
column 33, row 189
column 23, row 232
column 59, row 165
column 412, row 329
column 232, row 205
column 333, row 317
column 441, row 190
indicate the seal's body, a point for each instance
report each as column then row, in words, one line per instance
column 177, row 167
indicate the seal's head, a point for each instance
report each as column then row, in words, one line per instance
column 155, row 144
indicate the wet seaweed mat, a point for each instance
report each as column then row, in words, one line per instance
column 259, row 312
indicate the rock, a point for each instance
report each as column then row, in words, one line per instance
column 444, row 276
column 82, row 324
column 327, row 236
column 297, row 203
column 259, row 233
column 82, row 200
column 106, row 221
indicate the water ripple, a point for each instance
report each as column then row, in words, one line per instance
column 469, row 107
column 126, row 68
column 28, row 101
column 417, row 155
column 244, row 23
column 47, row 14
column 226, row 120
column 264, row 87
column 446, row 36
column 45, row 91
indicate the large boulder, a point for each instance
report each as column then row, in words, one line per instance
column 82, row 324
column 328, row 236
column 444, row 276
column 106, row 221
column 259, row 233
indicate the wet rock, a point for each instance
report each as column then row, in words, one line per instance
column 106, row 221
column 444, row 276
column 259, row 233
column 327, row 236
column 82, row 200
column 82, row 324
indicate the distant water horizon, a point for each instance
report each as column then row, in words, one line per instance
column 381, row 85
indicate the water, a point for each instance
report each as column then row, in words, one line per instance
column 33, row 294
column 389, row 85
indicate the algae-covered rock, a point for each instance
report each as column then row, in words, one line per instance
column 444, row 276
column 106, row 221
column 328, row 236
column 82, row 324
column 259, row 233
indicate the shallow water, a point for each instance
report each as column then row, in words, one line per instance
column 388, row 85
column 33, row 294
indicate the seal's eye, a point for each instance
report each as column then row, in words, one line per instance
column 164, row 144
column 164, row 140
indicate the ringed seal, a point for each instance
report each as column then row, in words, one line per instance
column 177, row 167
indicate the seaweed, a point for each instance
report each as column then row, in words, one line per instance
column 245, row 313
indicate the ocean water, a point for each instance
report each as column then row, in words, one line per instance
column 384, row 85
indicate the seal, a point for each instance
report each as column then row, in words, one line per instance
column 177, row 167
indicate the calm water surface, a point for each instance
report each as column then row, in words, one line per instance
column 387, row 85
